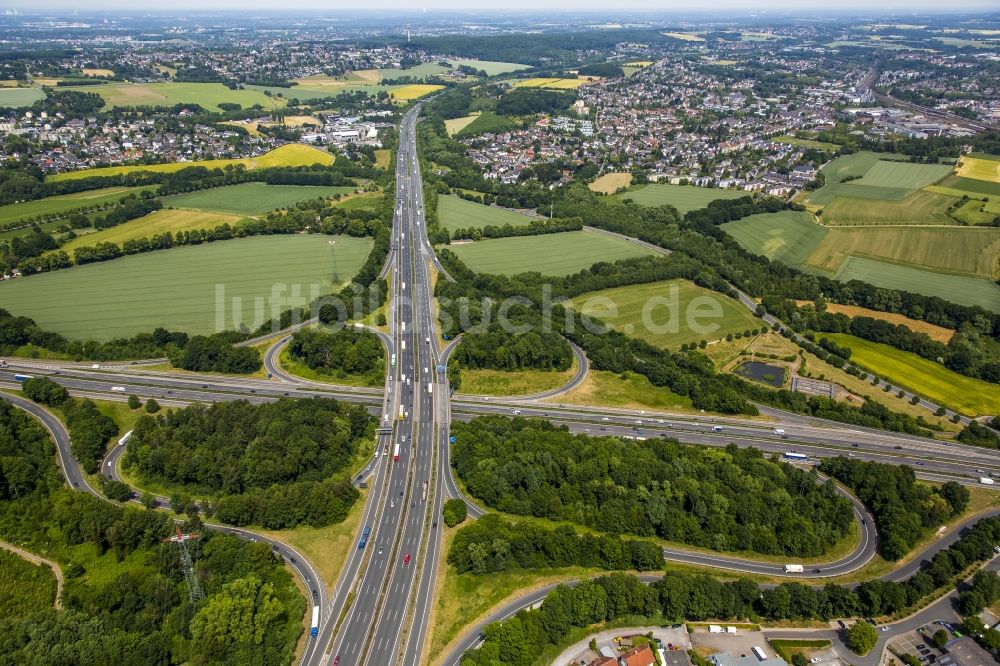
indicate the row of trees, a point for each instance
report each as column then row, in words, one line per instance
column 731, row 500
column 677, row 597
column 491, row 545
column 904, row 509
column 280, row 507
column 536, row 227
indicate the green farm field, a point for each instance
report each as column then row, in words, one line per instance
column 927, row 378
column 206, row 95
column 155, row 223
column 251, row 198
column 64, row 202
column 177, row 288
column 787, row 236
column 681, row 197
column 457, row 213
column 959, row 289
column 679, row 312
column 550, row 254
column 12, row 98
column 971, row 187
column 904, row 175
column 292, row 154
column 952, row 263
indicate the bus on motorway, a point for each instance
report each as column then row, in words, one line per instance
column 22, row 378
column 796, row 456
column 395, row 455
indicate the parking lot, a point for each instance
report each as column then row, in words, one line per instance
column 920, row 646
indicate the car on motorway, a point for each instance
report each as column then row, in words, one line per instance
column 406, row 558
column 815, row 660
column 817, row 571
column 118, row 389
column 605, row 418
column 335, row 661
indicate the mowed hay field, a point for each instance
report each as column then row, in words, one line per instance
column 905, row 175
column 681, row 197
column 786, row 236
column 64, row 202
column 178, row 288
column 251, row 198
column 457, row 213
column 677, row 312
column 491, row 67
column 960, row 251
column 610, row 183
column 970, row 396
column 549, row 254
column 206, row 95
column 292, row 154
column 979, row 167
column 921, row 207
column 155, row 223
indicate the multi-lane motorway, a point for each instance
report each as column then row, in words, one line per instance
column 377, row 610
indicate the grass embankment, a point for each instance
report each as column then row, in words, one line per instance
column 626, row 390
column 199, row 289
column 64, row 202
column 786, row 647
column 293, row 154
column 970, row 396
column 939, row 333
column 326, row 548
column 520, row 382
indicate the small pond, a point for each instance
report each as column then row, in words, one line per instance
column 772, row 375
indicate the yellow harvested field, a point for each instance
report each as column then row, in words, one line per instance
column 250, row 127
column 293, row 154
column 97, row 72
column 456, row 125
column 979, row 169
column 639, row 63
column 684, row 36
column 382, row 157
column 299, row 121
column 415, row 91
column 939, row 333
column 558, row 84
column 46, row 82
column 370, row 75
column 157, row 222
column 610, row 183
column 321, row 80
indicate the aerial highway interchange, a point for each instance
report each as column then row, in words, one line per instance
column 376, row 611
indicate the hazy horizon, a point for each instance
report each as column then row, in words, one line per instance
column 903, row 7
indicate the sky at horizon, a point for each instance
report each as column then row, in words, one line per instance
column 573, row 6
